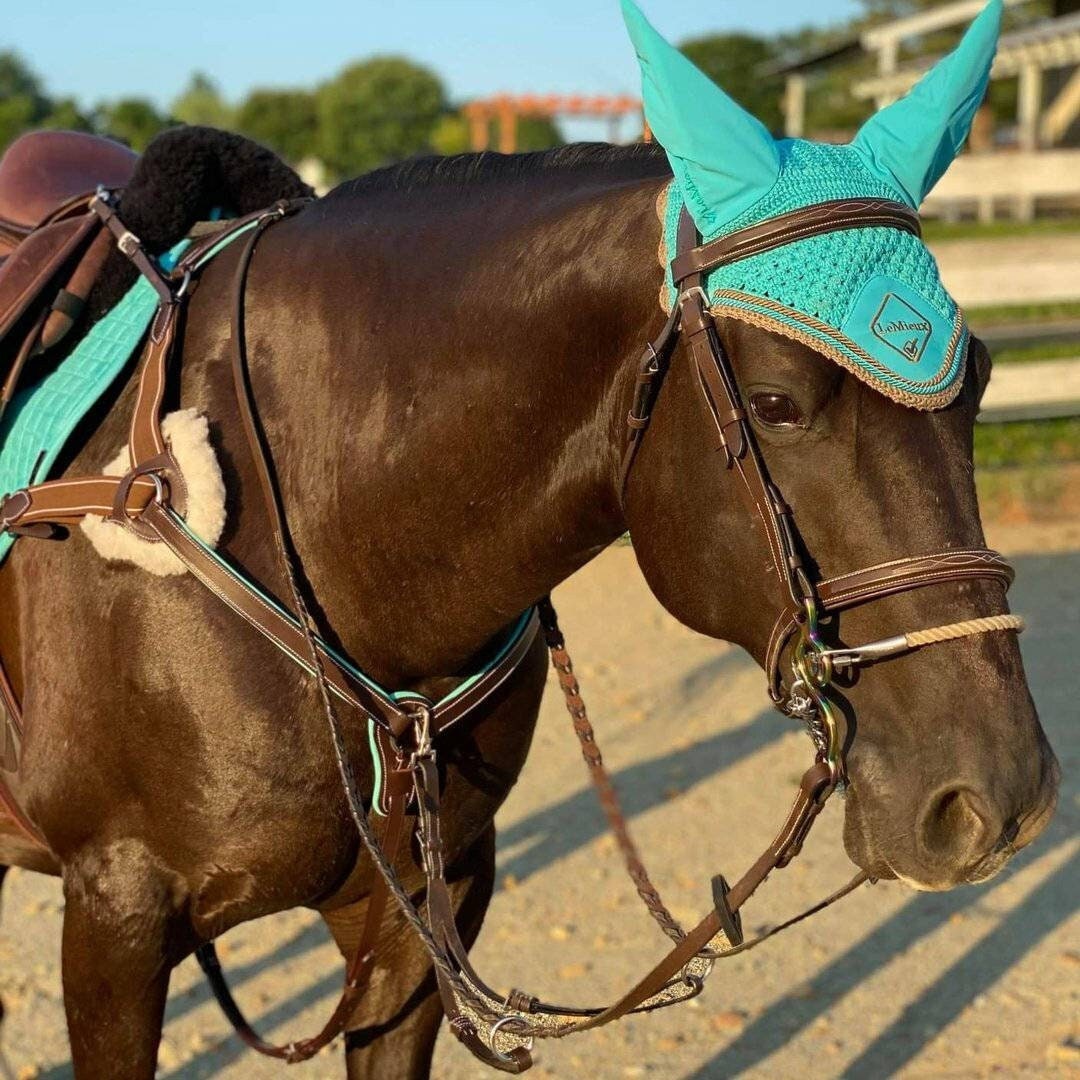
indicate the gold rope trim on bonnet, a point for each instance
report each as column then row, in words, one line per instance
column 841, row 338
column 767, row 322
column 662, row 254
column 834, row 352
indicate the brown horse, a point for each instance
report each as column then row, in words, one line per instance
column 444, row 356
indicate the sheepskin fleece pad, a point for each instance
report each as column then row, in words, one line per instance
column 187, row 434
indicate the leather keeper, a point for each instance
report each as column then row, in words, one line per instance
column 14, row 507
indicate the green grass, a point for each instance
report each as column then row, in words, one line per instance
column 994, row 230
column 1025, row 492
column 1001, row 314
column 1045, row 350
column 1034, row 442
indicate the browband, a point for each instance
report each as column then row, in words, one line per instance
column 827, row 217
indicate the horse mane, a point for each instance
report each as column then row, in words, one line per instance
column 460, row 169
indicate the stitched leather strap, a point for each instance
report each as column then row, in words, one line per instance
column 284, row 631
column 827, row 217
column 721, row 395
column 859, row 587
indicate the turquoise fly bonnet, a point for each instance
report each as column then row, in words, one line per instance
column 869, row 298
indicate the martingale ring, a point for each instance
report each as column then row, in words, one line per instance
column 506, row 1022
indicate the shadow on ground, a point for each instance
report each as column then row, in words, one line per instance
column 1049, row 590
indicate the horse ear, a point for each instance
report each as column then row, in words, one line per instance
column 912, row 142
column 724, row 159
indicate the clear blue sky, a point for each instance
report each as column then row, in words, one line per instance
column 99, row 50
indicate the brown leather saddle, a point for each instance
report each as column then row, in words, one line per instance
column 51, row 248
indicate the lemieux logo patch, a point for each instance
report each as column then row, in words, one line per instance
column 902, row 328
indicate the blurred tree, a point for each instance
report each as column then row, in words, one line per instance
column 65, row 114
column 733, row 61
column 536, row 133
column 134, row 121
column 201, row 103
column 23, row 103
column 17, row 114
column 17, row 80
column 881, row 10
column 284, row 120
column 451, row 135
column 377, row 111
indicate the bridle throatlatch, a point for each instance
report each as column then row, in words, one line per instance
column 499, row 1028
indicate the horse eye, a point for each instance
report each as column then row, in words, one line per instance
column 776, row 410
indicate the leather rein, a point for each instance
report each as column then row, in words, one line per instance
column 499, row 1029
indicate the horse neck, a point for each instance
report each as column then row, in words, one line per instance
column 468, row 450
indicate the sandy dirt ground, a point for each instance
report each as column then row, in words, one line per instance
column 976, row 982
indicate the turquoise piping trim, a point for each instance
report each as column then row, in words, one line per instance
column 391, row 696
column 224, row 243
column 376, row 761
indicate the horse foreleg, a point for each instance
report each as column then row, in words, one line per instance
column 393, row 1032
column 115, row 961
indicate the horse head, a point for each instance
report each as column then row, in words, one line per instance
column 861, row 385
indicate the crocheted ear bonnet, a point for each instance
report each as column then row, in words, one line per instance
column 869, row 298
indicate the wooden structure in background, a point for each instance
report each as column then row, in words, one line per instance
column 1049, row 45
column 1026, row 55
column 1043, row 57
column 507, row 108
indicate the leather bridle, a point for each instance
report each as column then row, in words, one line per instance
column 499, row 1029
column 806, row 602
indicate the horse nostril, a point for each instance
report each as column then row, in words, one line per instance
column 956, row 826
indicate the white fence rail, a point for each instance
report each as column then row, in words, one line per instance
column 1017, row 179
column 1036, row 390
